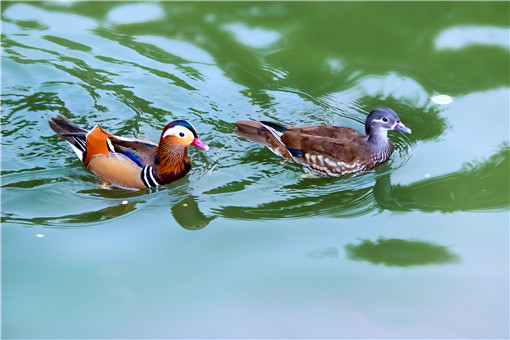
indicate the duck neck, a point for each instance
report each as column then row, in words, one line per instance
column 380, row 145
column 172, row 159
column 377, row 137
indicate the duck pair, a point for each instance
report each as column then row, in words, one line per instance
column 137, row 164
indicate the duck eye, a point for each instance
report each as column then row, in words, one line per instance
column 181, row 134
column 384, row 119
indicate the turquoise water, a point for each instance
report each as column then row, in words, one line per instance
column 247, row 246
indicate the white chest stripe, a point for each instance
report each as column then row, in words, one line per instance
column 148, row 177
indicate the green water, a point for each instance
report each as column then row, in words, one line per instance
column 245, row 246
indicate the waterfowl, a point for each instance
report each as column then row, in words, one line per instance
column 329, row 150
column 132, row 163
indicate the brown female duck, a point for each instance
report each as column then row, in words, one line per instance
column 329, row 150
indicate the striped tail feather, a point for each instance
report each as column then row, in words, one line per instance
column 258, row 131
column 277, row 127
column 266, row 133
column 251, row 130
column 74, row 135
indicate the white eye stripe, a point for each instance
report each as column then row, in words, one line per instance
column 381, row 120
column 176, row 131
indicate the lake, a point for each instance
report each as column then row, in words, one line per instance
column 247, row 246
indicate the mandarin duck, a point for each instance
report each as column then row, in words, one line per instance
column 132, row 163
column 328, row 150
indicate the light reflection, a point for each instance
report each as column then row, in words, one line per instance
column 62, row 23
column 402, row 88
column 252, row 37
column 136, row 13
column 456, row 38
column 442, row 99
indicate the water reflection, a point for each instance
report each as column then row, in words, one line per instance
column 67, row 43
column 344, row 203
column 189, row 216
column 471, row 188
column 458, row 37
column 331, row 252
column 81, row 219
column 136, row 13
column 401, row 253
column 252, row 37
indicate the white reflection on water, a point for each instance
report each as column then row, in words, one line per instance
column 458, row 37
column 441, row 99
column 51, row 21
column 402, row 88
column 252, row 37
column 136, row 13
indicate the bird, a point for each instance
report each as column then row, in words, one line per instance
column 131, row 163
column 326, row 150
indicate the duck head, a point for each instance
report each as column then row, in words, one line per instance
column 181, row 133
column 172, row 157
column 379, row 121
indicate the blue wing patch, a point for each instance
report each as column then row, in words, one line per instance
column 295, row 152
column 134, row 157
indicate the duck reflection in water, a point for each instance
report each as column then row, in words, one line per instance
column 189, row 216
column 476, row 186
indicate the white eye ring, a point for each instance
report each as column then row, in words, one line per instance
column 384, row 119
column 177, row 130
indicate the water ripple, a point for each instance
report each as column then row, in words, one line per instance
column 107, row 68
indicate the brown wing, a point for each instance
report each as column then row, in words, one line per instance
column 337, row 132
column 339, row 143
column 135, row 149
column 328, row 150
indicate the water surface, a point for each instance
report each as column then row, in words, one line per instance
column 247, row 246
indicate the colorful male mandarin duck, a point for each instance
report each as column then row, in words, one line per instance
column 132, row 163
column 329, row 150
